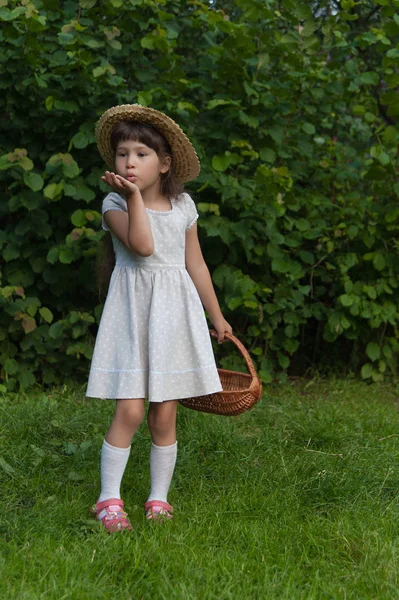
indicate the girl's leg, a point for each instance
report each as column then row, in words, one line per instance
column 162, row 425
column 116, row 447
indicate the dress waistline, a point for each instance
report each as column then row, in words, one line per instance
column 151, row 267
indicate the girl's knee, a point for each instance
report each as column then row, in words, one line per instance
column 130, row 412
column 161, row 419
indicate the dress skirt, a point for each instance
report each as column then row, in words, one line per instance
column 153, row 341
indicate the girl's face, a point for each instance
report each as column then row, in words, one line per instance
column 139, row 164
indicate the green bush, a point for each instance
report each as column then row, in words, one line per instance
column 293, row 113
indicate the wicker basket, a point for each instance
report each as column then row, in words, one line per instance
column 240, row 390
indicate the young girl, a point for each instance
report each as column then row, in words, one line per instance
column 153, row 340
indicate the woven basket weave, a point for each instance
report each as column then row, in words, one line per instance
column 240, row 390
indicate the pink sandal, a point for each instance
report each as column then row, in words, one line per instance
column 111, row 514
column 156, row 510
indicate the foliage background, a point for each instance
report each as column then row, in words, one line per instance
column 292, row 107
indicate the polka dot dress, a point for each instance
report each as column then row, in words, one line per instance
column 153, row 340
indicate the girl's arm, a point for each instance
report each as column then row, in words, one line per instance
column 201, row 277
column 132, row 229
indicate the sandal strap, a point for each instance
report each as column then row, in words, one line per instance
column 114, row 520
column 113, row 517
column 158, row 504
column 110, row 502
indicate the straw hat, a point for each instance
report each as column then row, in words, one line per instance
column 185, row 159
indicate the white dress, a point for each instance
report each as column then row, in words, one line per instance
column 153, row 339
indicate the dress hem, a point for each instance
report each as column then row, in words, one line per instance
column 153, row 372
column 141, row 396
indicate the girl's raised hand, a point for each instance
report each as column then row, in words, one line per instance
column 120, row 184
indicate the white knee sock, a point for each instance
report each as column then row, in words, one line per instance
column 113, row 464
column 162, row 465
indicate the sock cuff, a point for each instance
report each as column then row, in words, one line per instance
column 115, row 448
column 164, row 447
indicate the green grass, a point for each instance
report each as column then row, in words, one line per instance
column 297, row 499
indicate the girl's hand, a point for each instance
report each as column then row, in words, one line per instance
column 120, row 184
column 221, row 326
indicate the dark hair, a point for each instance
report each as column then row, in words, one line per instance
column 151, row 137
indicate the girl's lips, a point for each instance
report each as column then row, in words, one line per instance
column 131, row 177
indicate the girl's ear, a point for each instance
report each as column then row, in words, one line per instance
column 165, row 164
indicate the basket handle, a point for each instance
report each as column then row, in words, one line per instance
column 242, row 349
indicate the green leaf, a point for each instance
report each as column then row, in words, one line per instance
column 288, row 38
column 46, row 314
column 277, row 133
column 10, row 15
column 52, row 255
column 26, row 163
column 56, row 329
column 220, row 162
column 268, row 155
column 78, row 218
column 49, row 103
column 346, row 300
column 11, row 366
column 70, row 169
column 306, row 257
column 67, row 105
column 5, row 163
column 283, row 360
column 28, row 323
column 53, row 190
column 92, row 43
column 66, row 256
column 78, row 190
column 144, row 98
column 87, row 3
column 115, row 44
column 382, row 366
column 11, row 252
column 367, row 371
column 309, row 128
column 66, row 39
column 377, row 377
column 384, row 158
column 5, row 466
column 379, row 261
column 34, row 181
column 370, row 291
column 308, row 29
column 26, row 378
column 279, row 265
column 302, row 10
column 393, row 53
column 40, row 81
column 234, row 303
column 387, row 351
column 369, row 78
column 373, row 351
column 219, row 102
column 80, row 140
column 147, row 42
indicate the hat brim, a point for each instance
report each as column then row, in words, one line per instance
column 185, row 160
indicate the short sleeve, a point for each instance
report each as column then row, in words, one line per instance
column 112, row 202
column 191, row 211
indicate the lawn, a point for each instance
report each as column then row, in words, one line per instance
column 296, row 499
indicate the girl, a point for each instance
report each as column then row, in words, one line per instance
column 153, row 340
